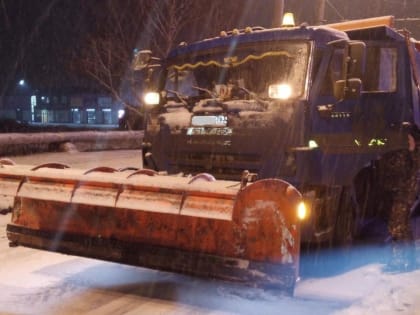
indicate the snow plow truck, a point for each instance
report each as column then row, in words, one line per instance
column 255, row 141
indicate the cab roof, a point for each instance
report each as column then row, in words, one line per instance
column 321, row 35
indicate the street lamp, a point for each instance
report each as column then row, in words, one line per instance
column 21, row 82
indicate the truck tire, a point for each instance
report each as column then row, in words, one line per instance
column 372, row 205
column 344, row 227
column 334, row 216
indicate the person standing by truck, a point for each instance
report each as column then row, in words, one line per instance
column 401, row 183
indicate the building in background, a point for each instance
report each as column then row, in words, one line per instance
column 75, row 108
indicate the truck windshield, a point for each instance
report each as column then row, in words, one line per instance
column 235, row 73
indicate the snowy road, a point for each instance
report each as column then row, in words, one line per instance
column 39, row 282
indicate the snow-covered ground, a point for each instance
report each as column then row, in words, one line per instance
column 367, row 290
column 343, row 282
column 39, row 282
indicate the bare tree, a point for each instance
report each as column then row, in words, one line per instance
column 155, row 25
column 108, row 49
column 166, row 20
column 125, row 27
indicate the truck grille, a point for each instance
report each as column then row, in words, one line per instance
column 222, row 166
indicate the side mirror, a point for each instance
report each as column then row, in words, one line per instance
column 148, row 68
column 353, row 54
column 347, row 89
column 356, row 59
column 142, row 59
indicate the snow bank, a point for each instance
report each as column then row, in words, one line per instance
column 23, row 143
column 367, row 290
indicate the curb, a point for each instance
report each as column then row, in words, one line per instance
column 28, row 143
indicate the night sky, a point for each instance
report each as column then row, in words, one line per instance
column 49, row 42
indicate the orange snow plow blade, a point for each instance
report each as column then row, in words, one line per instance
column 247, row 233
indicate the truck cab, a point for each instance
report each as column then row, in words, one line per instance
column 313, row 105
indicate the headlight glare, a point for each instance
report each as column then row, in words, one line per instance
column 280, row 91
column 151, row 98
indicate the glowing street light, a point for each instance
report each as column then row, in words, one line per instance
column 21, row 82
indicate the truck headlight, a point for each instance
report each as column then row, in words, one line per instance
column 151, row 98
column 281, row 91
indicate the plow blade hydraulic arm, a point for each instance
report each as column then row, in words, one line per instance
column 200, row 226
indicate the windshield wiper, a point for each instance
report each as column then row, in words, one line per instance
column 180, row 96
column 214, row 95
column 253, row 95
column 211, row 93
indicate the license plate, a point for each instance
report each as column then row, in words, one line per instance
column 212, row 120
column 201, row 131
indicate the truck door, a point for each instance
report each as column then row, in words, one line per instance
column 335, row 98
column 381, row 105
column 357, row 111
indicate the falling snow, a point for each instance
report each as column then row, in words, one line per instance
column 345, row 283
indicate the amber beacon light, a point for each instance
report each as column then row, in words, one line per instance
column 288, row 20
